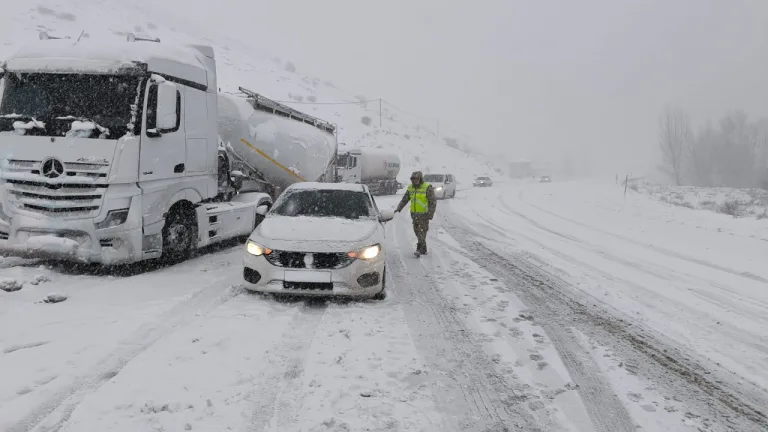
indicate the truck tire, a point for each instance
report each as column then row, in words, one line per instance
column 179, row 234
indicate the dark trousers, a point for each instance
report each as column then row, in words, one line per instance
column 420, row 228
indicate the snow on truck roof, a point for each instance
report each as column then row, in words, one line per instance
column 326, row 186
column 90, row 56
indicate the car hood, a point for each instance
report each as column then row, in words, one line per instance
column 314, row 234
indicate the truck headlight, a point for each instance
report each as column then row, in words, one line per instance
column 439, row 188
column 366, row 253
column 257, row 249
column 113, row 219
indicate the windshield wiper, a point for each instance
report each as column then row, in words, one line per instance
column 20, row 124
column 84, row 126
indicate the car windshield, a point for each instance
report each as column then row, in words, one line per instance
column 56, row 101
column 324, row 203
column 434, row 178
column 483, row 178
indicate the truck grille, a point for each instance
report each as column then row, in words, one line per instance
column 78, row 191
column 321, row 261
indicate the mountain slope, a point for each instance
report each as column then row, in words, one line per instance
column 238, row 65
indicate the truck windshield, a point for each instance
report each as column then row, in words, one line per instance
column 324, row 203
column 57, row 100
column 434, row 178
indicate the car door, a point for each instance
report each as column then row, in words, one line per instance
column 450, row 188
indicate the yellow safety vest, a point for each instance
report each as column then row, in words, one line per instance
column 419, row 201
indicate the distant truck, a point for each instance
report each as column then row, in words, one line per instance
column 118, row 153
column 375, row 168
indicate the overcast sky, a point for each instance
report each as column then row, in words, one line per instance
column 533, row 78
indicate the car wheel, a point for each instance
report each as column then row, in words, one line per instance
column 381, row 295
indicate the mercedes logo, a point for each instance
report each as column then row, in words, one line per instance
column 51, row 168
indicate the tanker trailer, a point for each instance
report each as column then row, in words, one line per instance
column 270, row 146
column 374, row 168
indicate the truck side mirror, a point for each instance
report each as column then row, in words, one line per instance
column 262, row 209
column 164, row 109
column 168, row 107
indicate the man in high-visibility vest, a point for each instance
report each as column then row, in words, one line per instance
column 423, row 206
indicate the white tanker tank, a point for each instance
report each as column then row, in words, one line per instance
column 378, row 169
column 273, row 144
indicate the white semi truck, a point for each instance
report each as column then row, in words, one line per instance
column 375, row 168
column 124, row 152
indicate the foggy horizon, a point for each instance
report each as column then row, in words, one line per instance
column 528, row 79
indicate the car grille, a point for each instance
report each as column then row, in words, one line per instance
column 321, row 261
column 79, row 191
column 313, row 286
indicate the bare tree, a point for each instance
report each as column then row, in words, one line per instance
column 674, row 131
column 701, row 155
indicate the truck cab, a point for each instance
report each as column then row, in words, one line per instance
column 110, row 153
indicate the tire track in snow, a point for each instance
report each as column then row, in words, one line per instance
column 278, row 396
column 559, row 309
column 53, row 414
column 472, row 394
column 651, row 247
column 606, row 411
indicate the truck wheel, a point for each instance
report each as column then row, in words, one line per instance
column 179, row 233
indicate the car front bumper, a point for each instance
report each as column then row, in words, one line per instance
column 261, row 276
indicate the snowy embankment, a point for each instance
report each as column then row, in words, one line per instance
column 740, row 203
column 696, row 280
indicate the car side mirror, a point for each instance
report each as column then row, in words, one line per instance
column 386, row 215
column 262, row 209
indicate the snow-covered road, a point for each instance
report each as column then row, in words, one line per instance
column 540, row 307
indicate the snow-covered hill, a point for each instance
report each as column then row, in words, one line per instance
column 239, row 65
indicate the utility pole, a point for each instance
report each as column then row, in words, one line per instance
column 379, row 112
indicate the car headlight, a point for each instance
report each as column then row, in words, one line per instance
column 367, row 253
column 257, row 249
column 439, row 188
column 113, row 219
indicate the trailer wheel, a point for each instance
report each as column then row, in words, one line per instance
column 179, row 233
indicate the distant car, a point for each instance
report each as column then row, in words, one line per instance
column 319, row 239
column 444, row 184
column 483, row 182
column 545, row 179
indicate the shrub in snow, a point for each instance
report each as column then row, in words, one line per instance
column 290, row 67
column 312, row 99
column 732, row 208
column 54, row 298
column 10, row 285
column 763, row 215
column 365, row 120
column 39, row 279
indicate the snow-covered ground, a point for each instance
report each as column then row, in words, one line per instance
column 541, row 306
column 692, row 283
column 742, row 203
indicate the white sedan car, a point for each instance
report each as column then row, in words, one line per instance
column 319, row 239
